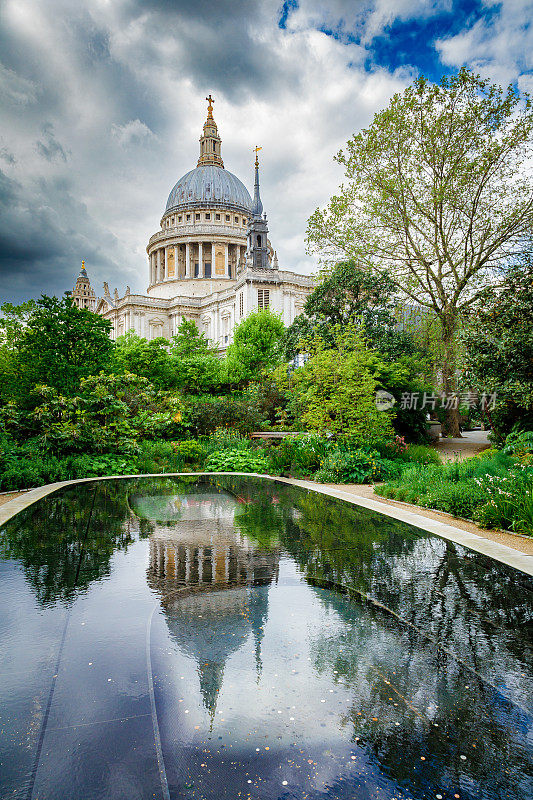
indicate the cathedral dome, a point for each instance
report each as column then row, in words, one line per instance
column 209, row 185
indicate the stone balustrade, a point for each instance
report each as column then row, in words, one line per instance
column 220, row 231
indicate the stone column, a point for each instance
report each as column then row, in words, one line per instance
column 158, row 266
column 176, row 263
column 213, row 273
column 226, row 260
column 166, row 263
column 187, row 260
column 200, row 260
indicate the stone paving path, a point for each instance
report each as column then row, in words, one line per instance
column 469, row 444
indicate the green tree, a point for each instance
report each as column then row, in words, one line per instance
column 439, row 194
column 196, row 365
column 150, row 359
column 256, row 346
column 498, row 344
column 58, row 346
column 13, row 322
column 334, row 391
column 350, row 294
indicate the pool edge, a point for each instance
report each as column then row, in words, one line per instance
column 496, row 550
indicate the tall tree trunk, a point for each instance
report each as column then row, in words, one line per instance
column 449, row 326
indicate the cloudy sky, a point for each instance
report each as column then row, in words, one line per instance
column 102, row 104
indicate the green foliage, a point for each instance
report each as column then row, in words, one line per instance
column 421, row 454
column 237, row 461
column 494, row 489
column 227, row 439
column 188, row 341
column 204, row 414
column 149, row 359
column 110, row 413
column 190, row 452
column 334, row 391
column 498, row 342
column 58, row 346
column 356, row 466
column 519, row 443
column 299, row 456
column 350, row 295
column 256, row 346
column 196, row 366
column 510, row 499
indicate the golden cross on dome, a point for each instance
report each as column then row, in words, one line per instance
column 210, row 106
column 256, row 150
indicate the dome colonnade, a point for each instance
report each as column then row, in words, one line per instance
column 204, row 227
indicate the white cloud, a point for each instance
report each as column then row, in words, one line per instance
column 14, row 89
column 499, row 48
column 132, row 133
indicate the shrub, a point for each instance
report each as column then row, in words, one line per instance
column 299, row 456
column 237, row 461
column 189, row 453
column 203, row 414
column 421, row 454
column 356, row 466
column 224, row 439
column 157, row 456
column 520, row 444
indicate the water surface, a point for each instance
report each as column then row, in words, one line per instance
column 240, row 638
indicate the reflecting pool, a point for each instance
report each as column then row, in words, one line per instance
column 227, row 638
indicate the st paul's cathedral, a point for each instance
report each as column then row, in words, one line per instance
column 211, row 260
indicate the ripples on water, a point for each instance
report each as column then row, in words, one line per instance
column 238, row 638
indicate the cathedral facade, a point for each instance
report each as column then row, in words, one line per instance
column 211, row 260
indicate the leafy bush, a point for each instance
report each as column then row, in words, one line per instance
column 519, row 443
column 203, row 414
column 224, row 439
column 493, row 488
column 237, row 461
column 356, row 466
column 421, row 454
column 189, row 452
column 299, row 456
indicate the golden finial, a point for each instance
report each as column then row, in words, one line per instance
column 210, row 106
column 256, row 150
column 83, row 264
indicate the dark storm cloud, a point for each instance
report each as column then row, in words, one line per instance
column 220, row 43
column 42, row 232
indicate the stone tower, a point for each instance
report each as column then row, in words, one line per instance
column 258, row 245
column 83, row 295
column 210, row 141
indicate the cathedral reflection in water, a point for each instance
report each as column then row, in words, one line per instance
column 212, row 581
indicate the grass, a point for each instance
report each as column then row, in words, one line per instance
column 494, row 489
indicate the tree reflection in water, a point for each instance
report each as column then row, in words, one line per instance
column 446, row 636
column 432, row 641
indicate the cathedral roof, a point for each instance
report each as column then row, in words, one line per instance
column 209, row 185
